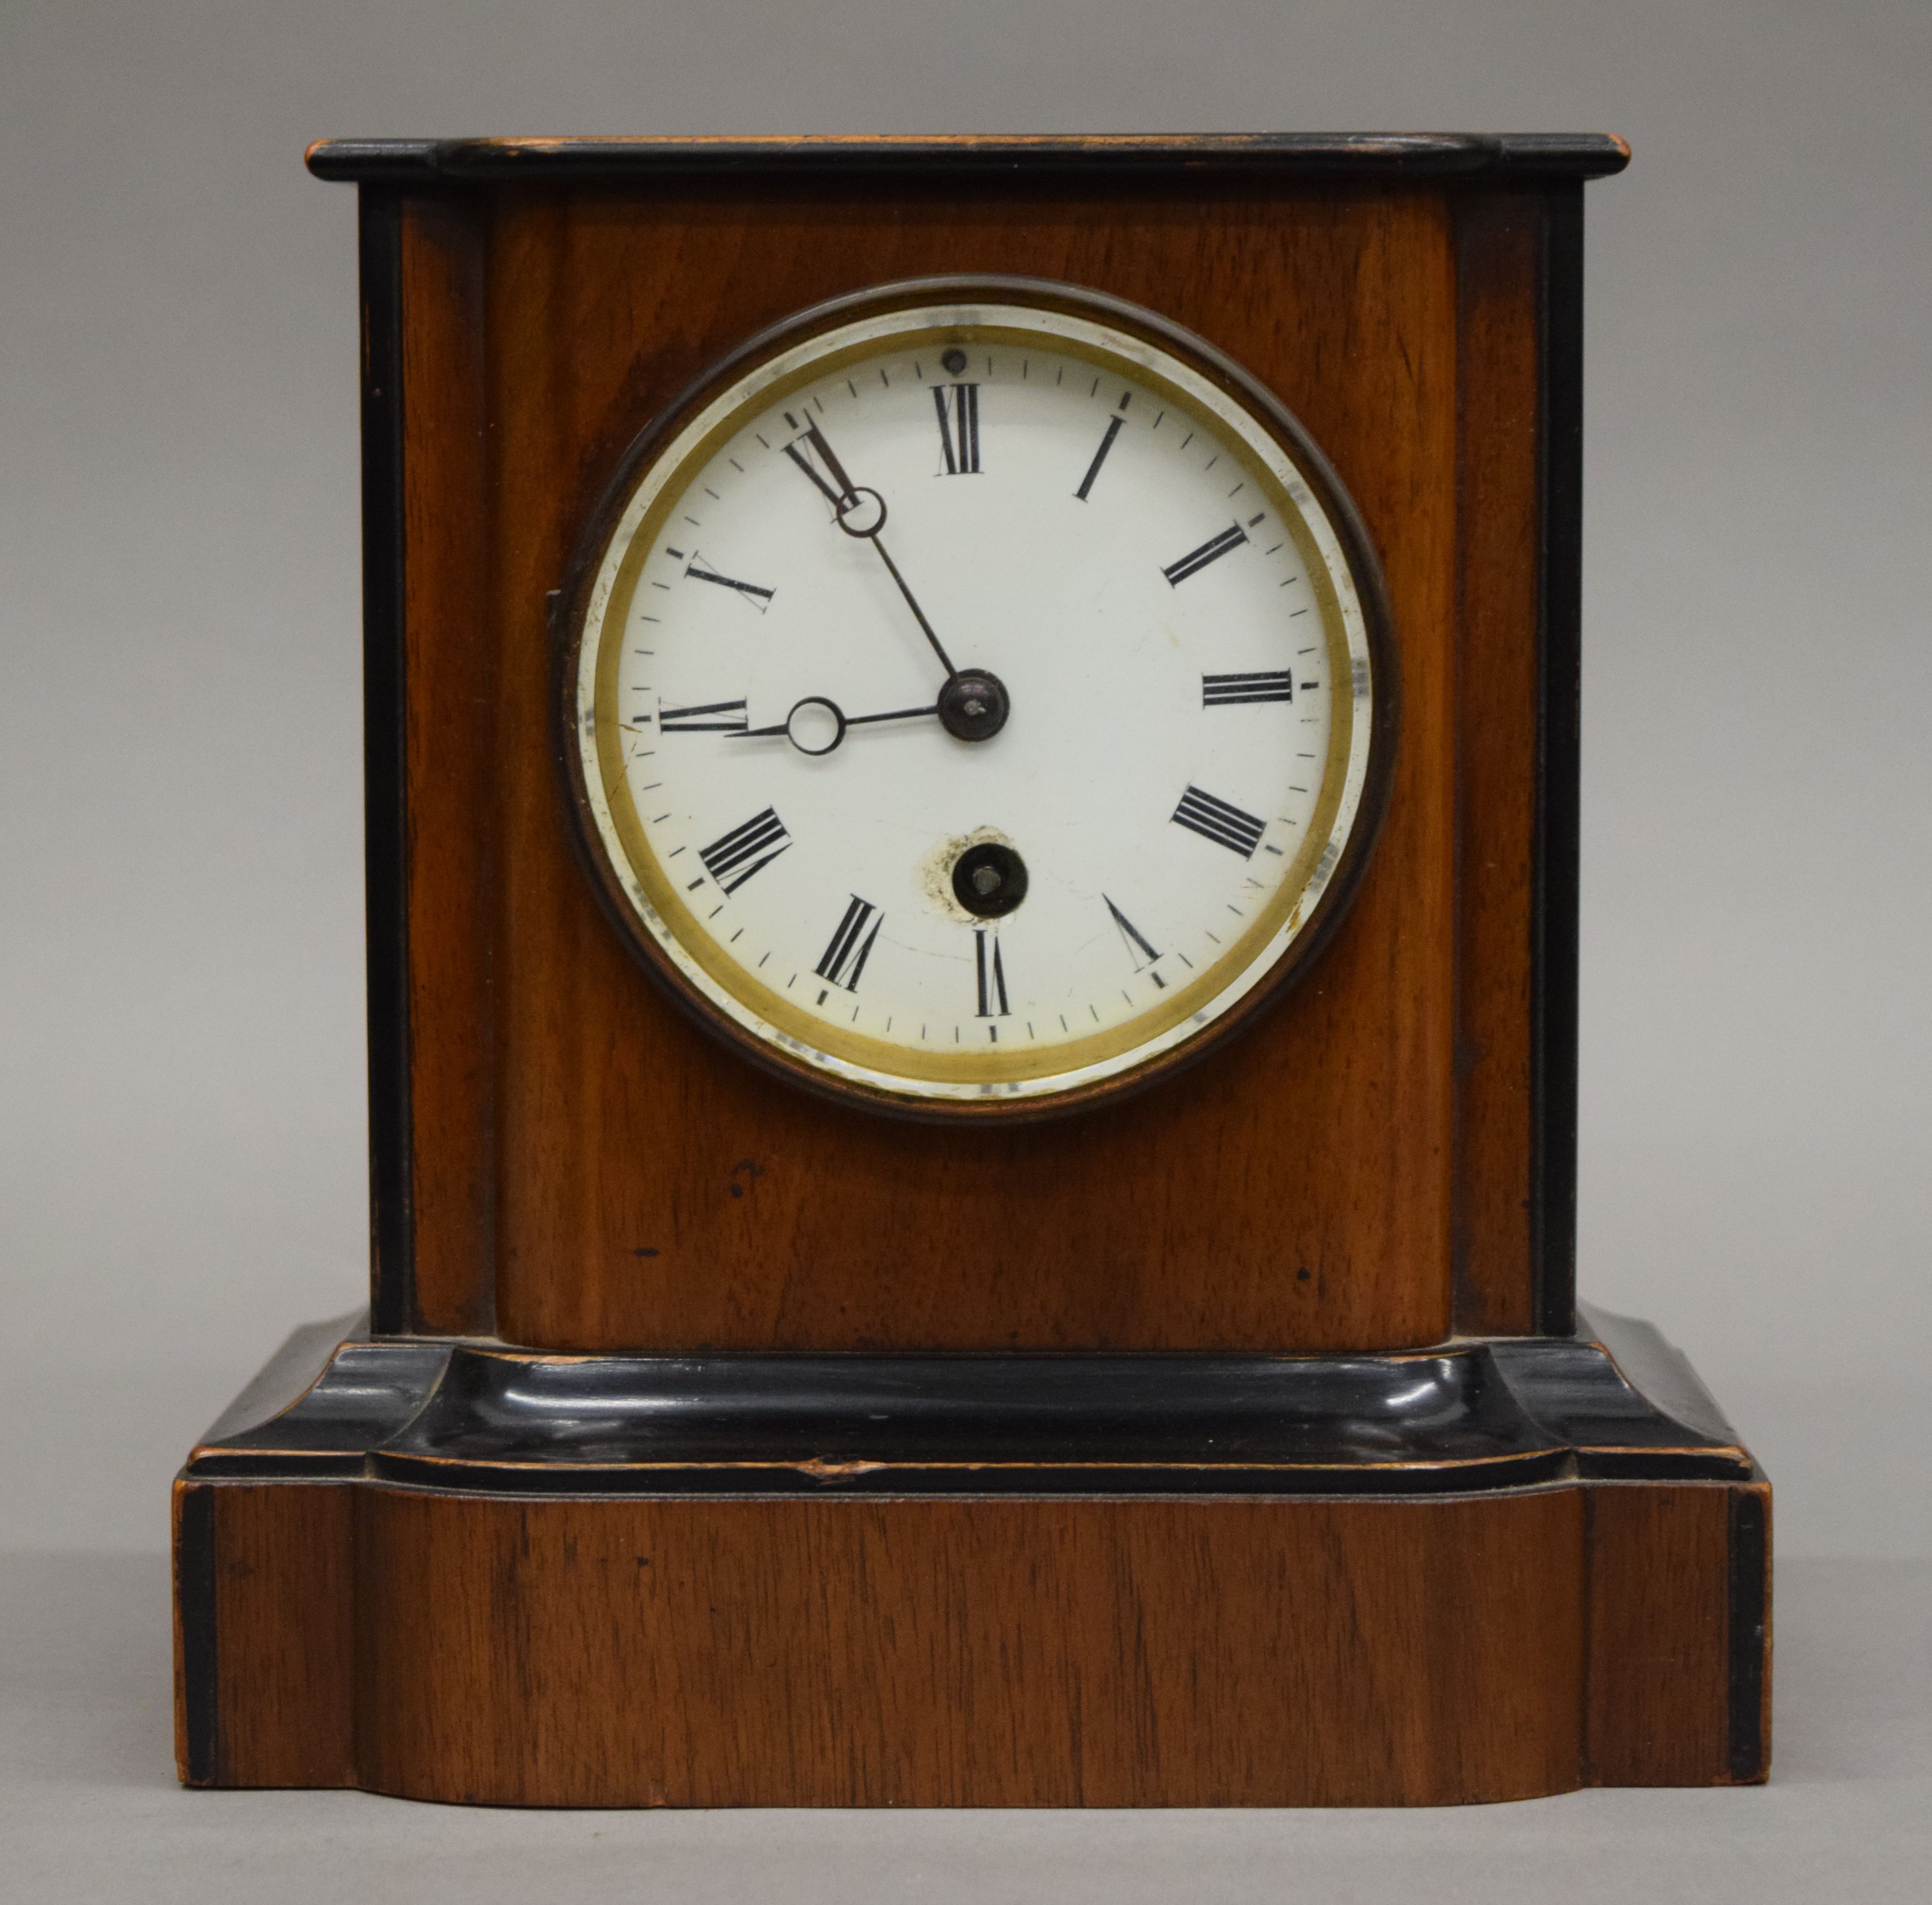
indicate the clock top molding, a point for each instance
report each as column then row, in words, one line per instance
column 562, row 1158
column 1490, row 157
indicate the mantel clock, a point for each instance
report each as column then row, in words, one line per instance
column 971, row 766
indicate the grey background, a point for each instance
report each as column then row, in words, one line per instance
column 181, row 1124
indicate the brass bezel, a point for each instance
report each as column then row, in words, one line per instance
column 999, row 1074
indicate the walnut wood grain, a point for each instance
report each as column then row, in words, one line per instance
column 1292, row 1193
column 449, row 700
column 971, row 1652
column 281, row 1668
column 1214, row 1650
column 1659, row 1676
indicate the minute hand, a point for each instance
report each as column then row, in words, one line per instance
column 861, row 513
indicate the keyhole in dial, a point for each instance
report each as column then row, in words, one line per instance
column 989, row 880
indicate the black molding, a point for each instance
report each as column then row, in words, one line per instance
column 1750, row 1582
column 194, row 1610
column 1292, row 155
column 1556, row 885
column 1473, row 1417
column 384, row 741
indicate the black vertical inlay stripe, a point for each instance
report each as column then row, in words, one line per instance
column 1555, row 901
column 385, row 744
column 1749, row 1570
column 194, row 1608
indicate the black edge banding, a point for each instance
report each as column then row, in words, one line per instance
column 1750, row 1570
column 1556, row 890
column 384, row 739
column 1437, row 155
column 194, row 1603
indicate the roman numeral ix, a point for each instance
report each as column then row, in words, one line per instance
column 713, row 717
column 1220, row 821
column 1222, row 690
column 992, row 974
column 744, row 850
column 958, row 408
column 851, row 945
column 1195, row 560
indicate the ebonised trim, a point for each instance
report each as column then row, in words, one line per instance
column 385, row 752
column 194, row 1610
column 1377, row 156
column 1749, row 1570
column 1472, row 1417
column 1553, row 1003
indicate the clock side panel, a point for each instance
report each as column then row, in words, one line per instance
column 653, row 1190
column 1501, row 239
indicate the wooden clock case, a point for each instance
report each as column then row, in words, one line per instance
column 705, row 1443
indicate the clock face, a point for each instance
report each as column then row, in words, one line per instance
column 974, row 699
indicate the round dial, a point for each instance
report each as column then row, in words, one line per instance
column 977, row 701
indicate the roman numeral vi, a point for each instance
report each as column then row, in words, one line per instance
column 992, row 974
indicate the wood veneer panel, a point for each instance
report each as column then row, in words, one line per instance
column 450, row 669
column 1205, row 1652
column 1659, row 1674
column 283, row 1635
column 1294, row 1192
column 1499, row 246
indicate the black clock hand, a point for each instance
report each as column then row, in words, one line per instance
column 840, row 721
column 861, row 513
column 945, row 660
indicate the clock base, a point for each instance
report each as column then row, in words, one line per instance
column 1506, row 1568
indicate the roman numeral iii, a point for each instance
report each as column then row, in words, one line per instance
column 746, row 850
column 958, row 408
column 1195, row 560
column 992, row 974
column 1222, row 691
column 1220, row 821
column 851, row 945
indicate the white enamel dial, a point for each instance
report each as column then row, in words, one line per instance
column 993, row 580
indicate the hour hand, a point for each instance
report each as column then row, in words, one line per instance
column 816, row 726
